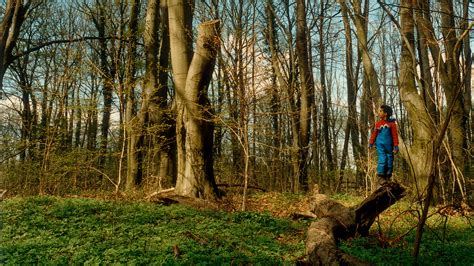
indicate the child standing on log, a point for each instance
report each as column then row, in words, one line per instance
column 385, row 139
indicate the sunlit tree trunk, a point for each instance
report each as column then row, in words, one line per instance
column 447, row 64
column 423, row 131
column 191, row 78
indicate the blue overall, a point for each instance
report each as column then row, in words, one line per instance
column 384, row 145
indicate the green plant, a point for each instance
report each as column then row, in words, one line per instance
column 50, row 230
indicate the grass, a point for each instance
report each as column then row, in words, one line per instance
column 49, row 230
column 52, row 230
column 448, row 239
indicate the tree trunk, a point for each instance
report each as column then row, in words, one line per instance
column 13, row 18
column 167, row 136
column 360, row 20
column 78, row 127
column 324, row 91
column 284, row 84
column 451, row 76
column 180, row 21
column 194, row 126
column 306, row 94
column 371, row 95
column 426, row 78
column 107, row 75
column 154, row 107
column 133, row 131
column 468, row 172
column 339, row 222
column 352, row 121
column 198, row 179
column 423, row 130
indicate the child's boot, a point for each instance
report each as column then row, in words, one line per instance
column 383, row 179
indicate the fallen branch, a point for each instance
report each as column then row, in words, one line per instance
column 338, row 222
column 159, row 192
column 242, row 186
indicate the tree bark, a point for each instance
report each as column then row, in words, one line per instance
column 423, row 130
column 324, row 91
column 275, row 99
column 198, row 179
column 360, row 20
column 449, row 74
column 194, row 127
column 107, row 71
column 338, row 222
column 134, row 156
column 180, row 22
column 351, row 127
column 286, row 75
column 13, row 18
column 154, row 109
column 306, row 94
column 468, row 94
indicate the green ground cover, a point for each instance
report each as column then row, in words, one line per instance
column 53, row 230
column 49, row 230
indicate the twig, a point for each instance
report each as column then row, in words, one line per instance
column 105, row 175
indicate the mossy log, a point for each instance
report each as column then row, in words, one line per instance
column 337, row 222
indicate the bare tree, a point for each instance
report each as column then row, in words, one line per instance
column 134, row 162
column 306, row 95
column 352, row 118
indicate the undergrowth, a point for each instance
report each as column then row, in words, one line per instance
column 53, row 230
column 49, row 230
column 447, row 239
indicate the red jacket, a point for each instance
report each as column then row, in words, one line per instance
column 385, row 132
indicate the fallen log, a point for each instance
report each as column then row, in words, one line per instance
column 337, row 222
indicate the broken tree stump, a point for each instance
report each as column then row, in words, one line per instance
column 338, row 222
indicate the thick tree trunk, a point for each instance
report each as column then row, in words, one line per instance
column 194, row 126
column 180, row 21
column 198, row 179
column 154, row 110
column 451, row 76
column 339, row 222
column 423, row 130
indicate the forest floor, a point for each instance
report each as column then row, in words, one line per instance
column 104, row 228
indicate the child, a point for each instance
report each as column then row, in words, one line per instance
column 385, row 138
